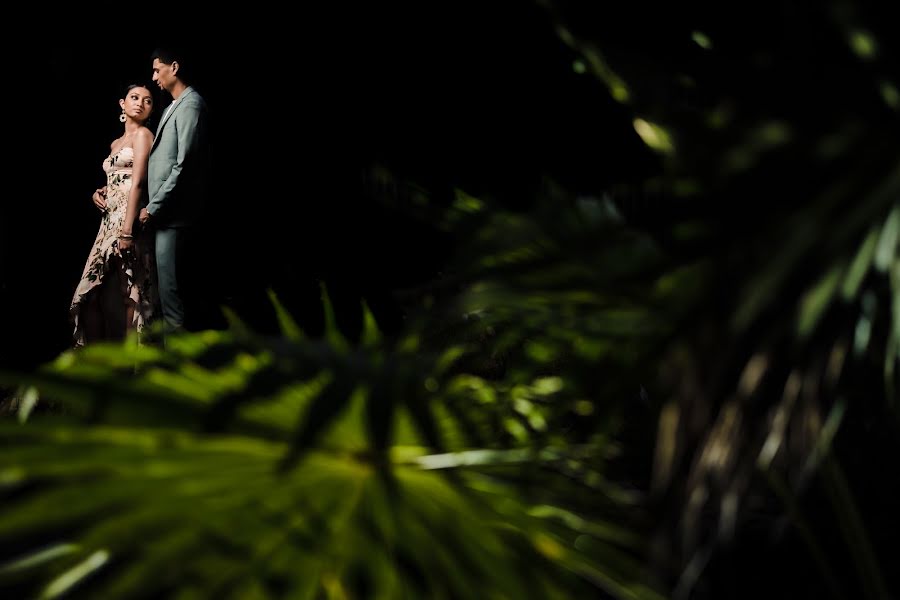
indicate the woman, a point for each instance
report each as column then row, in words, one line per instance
column 114, row 294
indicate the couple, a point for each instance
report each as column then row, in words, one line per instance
column 159, row 181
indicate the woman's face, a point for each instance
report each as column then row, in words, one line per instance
column 138, row 104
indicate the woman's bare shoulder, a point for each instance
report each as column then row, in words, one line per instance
column 145, row 134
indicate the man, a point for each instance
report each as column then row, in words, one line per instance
column 177, row 184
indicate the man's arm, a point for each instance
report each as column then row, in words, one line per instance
column 189, row 126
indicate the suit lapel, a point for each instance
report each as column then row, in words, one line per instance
column 168, row 116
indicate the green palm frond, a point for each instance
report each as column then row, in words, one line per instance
column 576, row 406
column 164, row 511
column 238, row 464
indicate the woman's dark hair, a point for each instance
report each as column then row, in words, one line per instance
column 131, row 86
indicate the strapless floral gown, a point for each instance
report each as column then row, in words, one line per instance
column 138, row 267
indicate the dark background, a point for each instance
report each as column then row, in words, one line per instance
column 458, row 94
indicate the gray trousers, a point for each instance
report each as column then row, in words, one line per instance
column 170, row 250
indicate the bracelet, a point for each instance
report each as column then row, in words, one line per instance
column 126, row 236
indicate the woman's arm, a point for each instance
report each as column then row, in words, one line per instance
column 143, row 139
column 99, row 198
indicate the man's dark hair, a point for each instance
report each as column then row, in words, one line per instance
column 169, row 55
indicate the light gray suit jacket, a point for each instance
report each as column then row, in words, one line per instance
column 178, row 172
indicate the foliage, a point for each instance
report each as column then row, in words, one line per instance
column 583, row 404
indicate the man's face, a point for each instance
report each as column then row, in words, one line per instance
column 163, row 74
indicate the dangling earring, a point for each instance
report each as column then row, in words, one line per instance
column 122, row 116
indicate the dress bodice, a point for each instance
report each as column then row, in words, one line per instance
column 120, row 162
